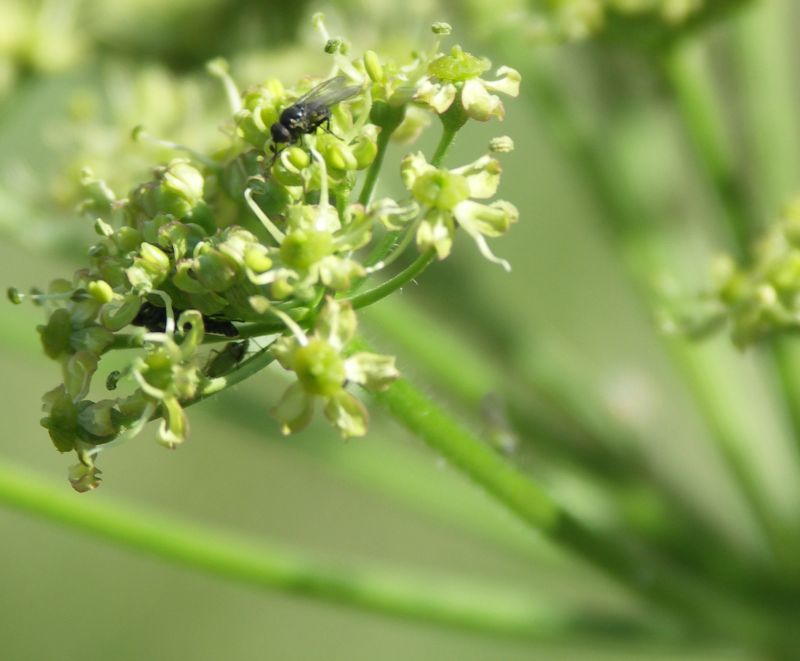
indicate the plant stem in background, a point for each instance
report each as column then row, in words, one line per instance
column 604, row 453
column 664, row 587
column 628, row 232
column 376, row 590
column 703, row 121
column 763, row 57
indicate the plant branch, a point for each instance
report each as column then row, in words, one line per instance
column 445, row 602
column 623, row 220
column 394, row 283
column 526, row 500
column 703, row 118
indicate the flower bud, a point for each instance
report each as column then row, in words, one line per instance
column 84, row 478
column 364, row 150
column 441, row 28
column 55, row 333
column 14, row 295
column 301, row 249
column 184, row 182
column 215, row 271
column 100, row 420
column 373, row 66
column 319, row 368
column 101, row 291
column 78, row 372
column 127, row 239
column 501, row 145
column 61, row 420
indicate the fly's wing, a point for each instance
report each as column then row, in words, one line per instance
column 329, row 92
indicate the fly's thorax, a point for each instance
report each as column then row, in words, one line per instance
column 294, row 116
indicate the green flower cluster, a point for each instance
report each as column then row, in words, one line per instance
column 577, row 20
column 764, row 297
column 270, row 241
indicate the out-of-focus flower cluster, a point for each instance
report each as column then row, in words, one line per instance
column 575, row 20
column 764, row 297
column 268, row 241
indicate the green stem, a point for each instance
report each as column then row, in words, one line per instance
column 624, row 220
column 260, row 566
column 371, row 180
column 554, row 423
column 394, row 283
column 763, row 56
column 451, row 603
column 702, row 117
column 766, row 80
column 699, row 110
column 445, row 140
column 525, row 499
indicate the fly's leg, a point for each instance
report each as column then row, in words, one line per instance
column 326, row 126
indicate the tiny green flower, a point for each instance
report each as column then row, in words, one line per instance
column 444, row 196
column 323, row 370
column 459, row 75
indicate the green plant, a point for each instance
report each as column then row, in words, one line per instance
column 284, row 249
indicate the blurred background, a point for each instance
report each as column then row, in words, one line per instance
column 572, row 335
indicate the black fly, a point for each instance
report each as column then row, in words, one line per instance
column 311, row 111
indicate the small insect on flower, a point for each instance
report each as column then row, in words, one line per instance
column 222, row 362
column 154, row 318
column 311, row 110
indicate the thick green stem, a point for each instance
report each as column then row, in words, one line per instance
column 525, row 499
column 221, row 554
column 604, row 451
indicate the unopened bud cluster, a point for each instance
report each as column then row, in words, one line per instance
column 763, row 298
column 576, row 20
column 269, row 241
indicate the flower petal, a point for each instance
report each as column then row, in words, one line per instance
column 479, row 104
column 283, row 349
column 508, row 81
column 336, row 323
column 412, row 167
column 482, row 175
column 294, row 410
column 439, row 96
column 338, row 273
column 348, row 414
column 490, row 220
column 372, row 370
column 436, row 232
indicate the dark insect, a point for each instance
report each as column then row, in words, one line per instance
column 222, row 362
column 154, row 319
column 311, row 110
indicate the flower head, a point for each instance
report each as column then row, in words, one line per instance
column 447, row 198
column 324, row 368
column 458, row 75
